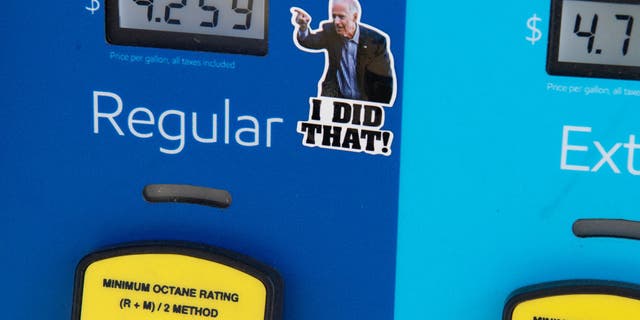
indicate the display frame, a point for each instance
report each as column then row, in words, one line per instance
column 556, row 67
column 180, row 40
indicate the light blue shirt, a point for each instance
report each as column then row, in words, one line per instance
column 347, row 78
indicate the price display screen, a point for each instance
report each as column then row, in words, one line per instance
column 595, row 38
column 233, row 26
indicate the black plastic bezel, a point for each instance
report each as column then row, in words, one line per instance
column 179, row 40
column 555, row 67
column 265, row 274
column 567, row 287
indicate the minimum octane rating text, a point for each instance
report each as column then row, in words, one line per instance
column 171, row 290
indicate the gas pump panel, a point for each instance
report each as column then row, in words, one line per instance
column 269, row 130
column 519, row 166
column 276, row 153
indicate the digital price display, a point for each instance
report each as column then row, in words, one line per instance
column 594, row 39
column 232, row 26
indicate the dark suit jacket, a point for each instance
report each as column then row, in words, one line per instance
column 373, row 70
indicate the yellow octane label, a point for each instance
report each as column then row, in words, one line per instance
column 578, row 307
column 169, row 287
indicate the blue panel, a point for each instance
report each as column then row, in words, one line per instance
column 487, row 203
column 324, row 218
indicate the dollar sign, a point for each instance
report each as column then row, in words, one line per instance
column 536, row 34
column 95, row 5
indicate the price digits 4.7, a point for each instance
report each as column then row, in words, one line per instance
column 215, row 13
column 590, row 34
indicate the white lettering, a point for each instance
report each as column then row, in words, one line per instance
column 226, row 120
column 167, row 136
column 148, row 121
column 172, row 124
column 566, row 147
column 606, row 157
column 269, row 122
column 255, row 130
column 110, row 116
column 632, row 146
column 214, row 129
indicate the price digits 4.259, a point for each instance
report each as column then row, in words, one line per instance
column 590, row 32
column 214, row 11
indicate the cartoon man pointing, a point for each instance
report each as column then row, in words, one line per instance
column 359, row 64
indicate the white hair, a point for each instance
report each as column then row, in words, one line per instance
column 354, row 5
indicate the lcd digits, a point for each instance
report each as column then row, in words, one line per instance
column 591, row 34
column 214, row 12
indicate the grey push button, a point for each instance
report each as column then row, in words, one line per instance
column 187, row 194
